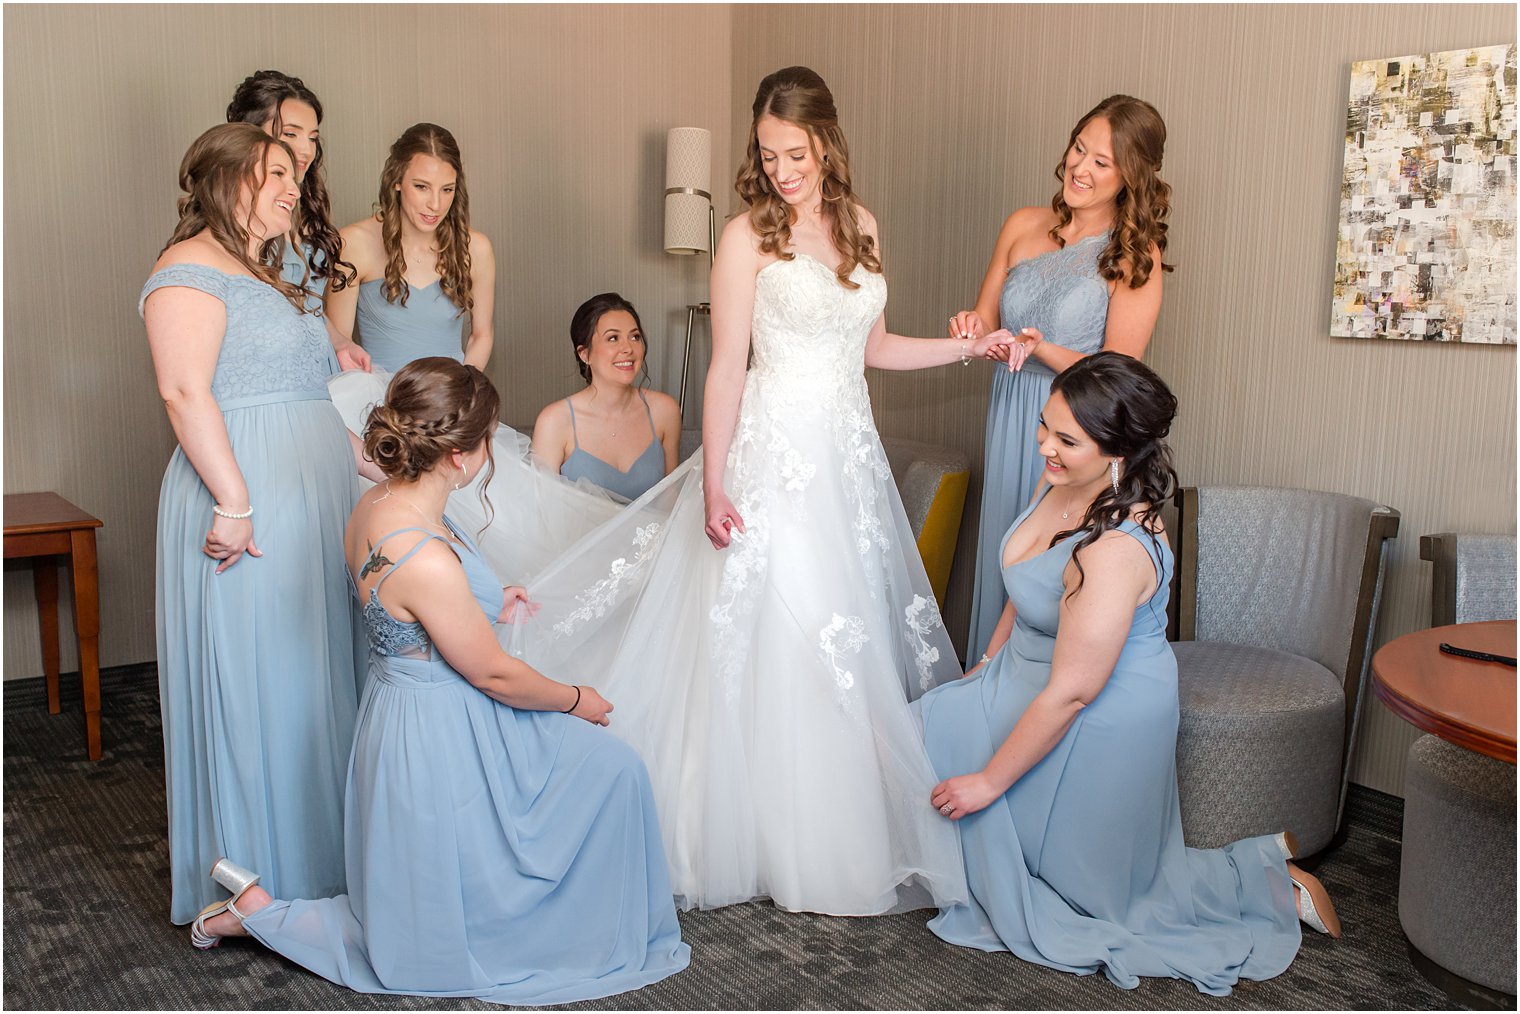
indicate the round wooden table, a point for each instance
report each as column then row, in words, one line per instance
column 1462, row 700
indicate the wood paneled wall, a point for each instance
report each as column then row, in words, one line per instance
column 956, row 115
column 560, row 112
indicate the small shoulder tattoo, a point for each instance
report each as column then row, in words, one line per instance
column 375, row 562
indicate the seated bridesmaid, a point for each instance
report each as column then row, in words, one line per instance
column 421, row 268
column 600, row 433
column 1059, row 754
column 499, row 843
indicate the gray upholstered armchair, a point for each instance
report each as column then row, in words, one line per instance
column 1275, row 602
column 1457, row 875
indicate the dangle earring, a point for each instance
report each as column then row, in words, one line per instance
column 1113, row 474
column 463, row 475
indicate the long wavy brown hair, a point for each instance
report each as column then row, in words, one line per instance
column 453, row 231
column 1144, row 201
column 1127, row 410
column 213, row 173
column 799, row 96
column 257, row 101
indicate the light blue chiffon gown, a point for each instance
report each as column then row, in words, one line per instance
column 394, row 335
column 509, row 855
column 630, row 484
column 256, row 665
column 1062, row 295
column 293, row 269
column 1081, row 865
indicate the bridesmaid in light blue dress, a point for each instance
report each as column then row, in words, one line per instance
column 1067, row 280
column 1059, row 754
column 499, row 844
column 603, row 442
column 426, row 280
column 283, row 107
column 255, row 654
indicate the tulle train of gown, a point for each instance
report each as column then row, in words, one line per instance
column 1081, row 865
column 766, row 686
column 534, row 514
column 508, row 855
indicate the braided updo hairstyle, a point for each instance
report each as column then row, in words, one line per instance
column 1127, row 411
column 434, row 406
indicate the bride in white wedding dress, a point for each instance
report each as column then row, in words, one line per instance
column 761, row 617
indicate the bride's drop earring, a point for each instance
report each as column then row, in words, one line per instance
column 1113, row 474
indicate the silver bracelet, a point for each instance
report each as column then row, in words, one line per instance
column 965, row 356
column 983, row 660
column 216, row 509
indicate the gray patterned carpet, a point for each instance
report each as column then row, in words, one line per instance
column 86, row 904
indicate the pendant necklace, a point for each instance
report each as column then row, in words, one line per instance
column 390, row 492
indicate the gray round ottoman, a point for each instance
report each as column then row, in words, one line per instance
column 1457, row 880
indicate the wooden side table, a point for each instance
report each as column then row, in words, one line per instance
column 44, row 526
column 1469, row 703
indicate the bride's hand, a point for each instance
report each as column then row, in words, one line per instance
column 511, row 596
column 722, row 520
column 592, row 707
column 995, row 346
column 964, row 794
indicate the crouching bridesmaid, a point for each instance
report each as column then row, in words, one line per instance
column 499, row 844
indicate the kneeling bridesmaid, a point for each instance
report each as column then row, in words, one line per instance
column 499, row 844
column 1059, row 756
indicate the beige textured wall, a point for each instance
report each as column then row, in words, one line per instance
column 957, row 115
column 561, row 115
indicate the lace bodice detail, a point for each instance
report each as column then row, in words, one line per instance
column 269, row 348
column 1061, row 294
column 807, row 328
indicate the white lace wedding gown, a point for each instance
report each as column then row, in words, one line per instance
column 767, row 685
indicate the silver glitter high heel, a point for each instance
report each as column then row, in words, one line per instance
column 237, row 880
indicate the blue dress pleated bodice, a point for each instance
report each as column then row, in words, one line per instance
column 1060, row 294
column 394, row 335
column 630, row 484
column 1081, row 865
column 293, row 269
column 492, row 852
column 256, row 665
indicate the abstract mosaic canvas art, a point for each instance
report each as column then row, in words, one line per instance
column 1426, row 247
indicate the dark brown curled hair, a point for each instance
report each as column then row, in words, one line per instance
column 453, row 230
column 583, row 327
column 799, row 96
column 433, row 406
column 257, row 101
column 1127, row 410
column 1139, row 136
column 212, row 174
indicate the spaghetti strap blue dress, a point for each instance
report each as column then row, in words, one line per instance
column 508, row 855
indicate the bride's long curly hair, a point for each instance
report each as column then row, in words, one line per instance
column 799, row 96
column 1127, row 411
column 453, row 230
column 214, row 173
column 1139, row 137
column 257, row 101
